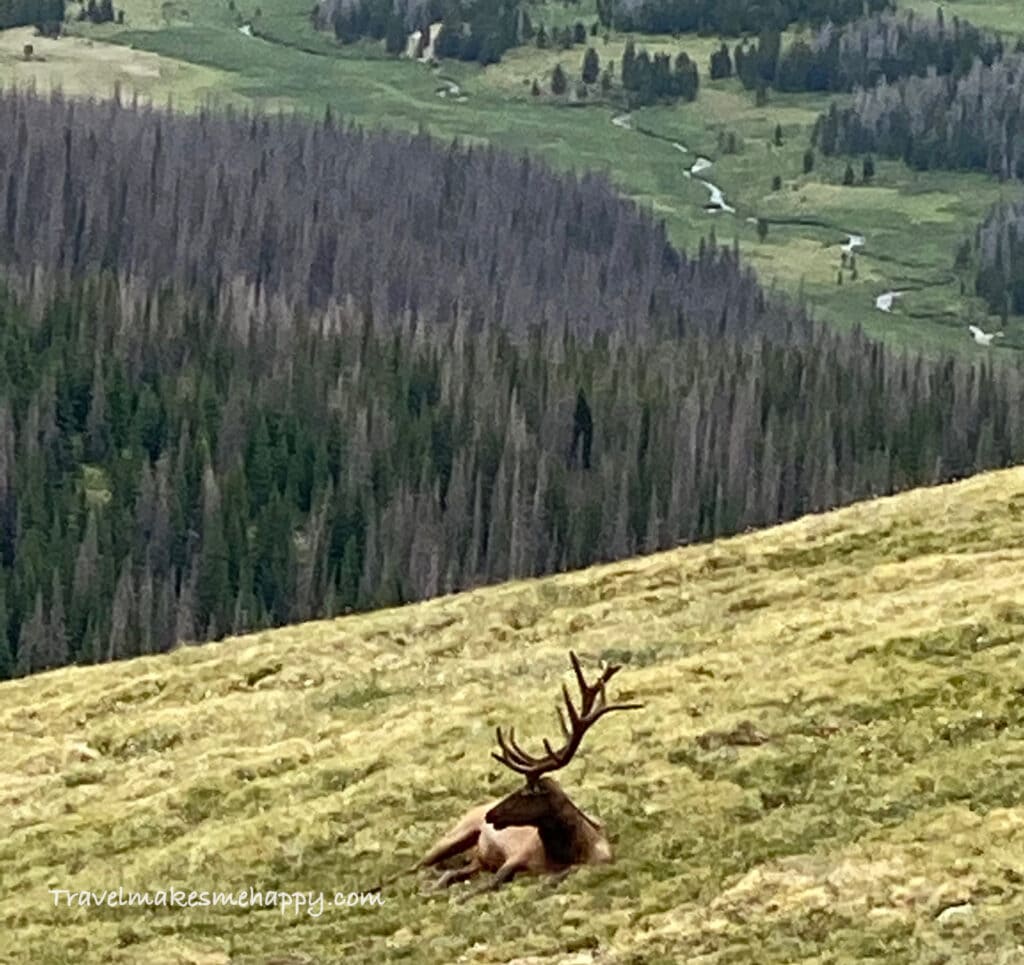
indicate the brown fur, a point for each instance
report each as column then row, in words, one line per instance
column 537, row 829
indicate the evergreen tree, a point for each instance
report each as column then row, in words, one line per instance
column 395, row 38
column 559, row 82
column 721, row 63
column 591, row 66
column 7, row 664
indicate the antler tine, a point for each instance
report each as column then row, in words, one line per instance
column 561, row 721
column 594, row 705
column 515, row 757
column 514, row 752
column 512, row 765
column 591, row 693
column 523, row 755
column 578, row 670
column 511, row 750
column 574, row 717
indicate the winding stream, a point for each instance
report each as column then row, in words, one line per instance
column 884, row 301
column 717, row 202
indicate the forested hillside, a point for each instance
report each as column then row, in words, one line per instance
column 324, row 216
column 729, row 17
column 46, row 15
column 170, row 473
column 998, row 258
column 882, row 47
column 481, row 30
column 256, row 370
column 969, row 122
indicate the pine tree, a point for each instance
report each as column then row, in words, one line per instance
column 395, row 39
column 591, row 66
column 559, row 82
column 32, row 641
column 6, row 654
column 629, row 79
column 58, row 654
column 214, row 589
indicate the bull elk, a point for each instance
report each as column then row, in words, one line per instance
column 537, row 829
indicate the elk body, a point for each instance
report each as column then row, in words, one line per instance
column 537, row 829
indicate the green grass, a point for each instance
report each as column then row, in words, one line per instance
column 879, row 647
column 912, row 221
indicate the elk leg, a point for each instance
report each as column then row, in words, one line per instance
column 504, row 874
column 559, row 877
column 461, row 839
column 456, row 875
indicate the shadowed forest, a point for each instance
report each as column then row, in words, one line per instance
column 255, row 370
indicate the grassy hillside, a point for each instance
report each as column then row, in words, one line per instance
column 912, row 222
column 878, row 648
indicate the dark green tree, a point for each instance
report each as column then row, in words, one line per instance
column 559, row 82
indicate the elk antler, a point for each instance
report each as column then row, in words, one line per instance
column 593, row 706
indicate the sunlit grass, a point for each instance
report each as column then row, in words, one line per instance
column 879, row 647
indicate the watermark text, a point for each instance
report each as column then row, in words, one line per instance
column 311, row 903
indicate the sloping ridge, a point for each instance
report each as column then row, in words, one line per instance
column 878, row 647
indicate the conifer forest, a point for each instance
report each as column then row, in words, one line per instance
column 255, row 369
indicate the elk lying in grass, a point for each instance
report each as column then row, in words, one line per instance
column 537, row 829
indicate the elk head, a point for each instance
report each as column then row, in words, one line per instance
column 565, row 830
column 537, row 829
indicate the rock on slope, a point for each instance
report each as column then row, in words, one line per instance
column 877, row 647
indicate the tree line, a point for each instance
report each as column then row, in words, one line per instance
column 170, row 472
column 862, row 53
column 45, row 15
column 480, row 31
column 997, row 255
column 255, row 370
column 325, row 216
column 648, row 80
column 972, row 122
column 729, row 17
